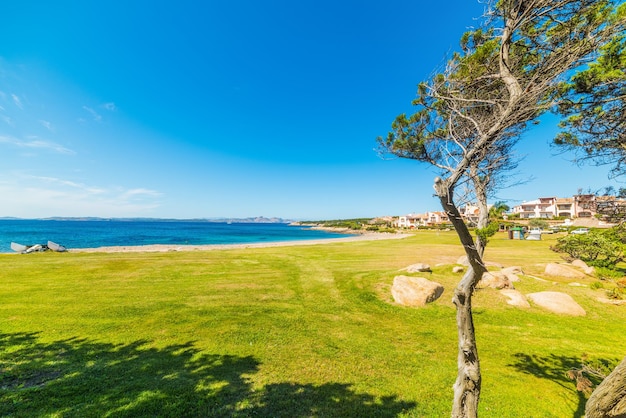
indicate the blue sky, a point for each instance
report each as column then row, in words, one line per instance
column 228, row 109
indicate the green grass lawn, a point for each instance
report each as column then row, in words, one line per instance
column 283, row 332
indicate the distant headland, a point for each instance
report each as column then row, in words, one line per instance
column 256, row 220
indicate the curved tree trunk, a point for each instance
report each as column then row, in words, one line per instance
column 609, row 398
column 468, row 381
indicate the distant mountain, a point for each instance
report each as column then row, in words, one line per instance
column 258, row 219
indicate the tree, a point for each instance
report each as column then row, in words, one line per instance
column 603, row 249
column 471, row 114
column 594, row 106
column 609, row 398
column 609, row 191
column 498, row 209
column 594, row 127
column 538, row 223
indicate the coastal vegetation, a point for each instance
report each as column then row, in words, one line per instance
column 354, row 224
column 603, row 249
column 383, row 224
column 286, row 332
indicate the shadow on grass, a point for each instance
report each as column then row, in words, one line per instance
column 78, row 377
column 555, row 368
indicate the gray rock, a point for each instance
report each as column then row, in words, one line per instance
column 557, row 302
column 612, row 301
column 418, row 268
column 563, row 270
column 590, row 271
column 511, row 276
column 415, row 291
column 512, row 270
column 515, row 298
column 584, row 267
column 495, row 280
column 463, row 261
column 580, row 264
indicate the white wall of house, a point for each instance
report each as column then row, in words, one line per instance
column 423, row 219
column 551, row 207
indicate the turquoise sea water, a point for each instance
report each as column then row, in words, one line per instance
column 101, row 233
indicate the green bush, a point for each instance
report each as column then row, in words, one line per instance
column 617, row 233
column 487, row 232
column 619, row 291
column 596, row 285
column 538, row 223
column 609, row 273
column 616, row 293
column 595, row 248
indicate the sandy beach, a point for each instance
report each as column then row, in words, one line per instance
column 166, row 248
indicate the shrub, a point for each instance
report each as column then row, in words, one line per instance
column 596, row 285
column 617, row 233
column 488, row 231
column 538, row 223
column 595, row 248
column 608, row 273
column 616, row 293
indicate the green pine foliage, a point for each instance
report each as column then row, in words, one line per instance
column 596, row 248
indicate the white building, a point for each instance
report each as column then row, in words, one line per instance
column 421, row 219
column 579, row 206
column 544, row 207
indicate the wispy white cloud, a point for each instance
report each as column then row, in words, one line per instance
column 46, row 125
column 95, row 115
column 71, row 184
column 109, row 106
column 7, row 120
column 35, row 143
column 39, row 196
column 119, row 194
column 17, row 101
column 139, row 194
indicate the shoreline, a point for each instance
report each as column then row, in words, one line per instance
column 374, row 236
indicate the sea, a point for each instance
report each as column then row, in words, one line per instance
column 105, row 233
